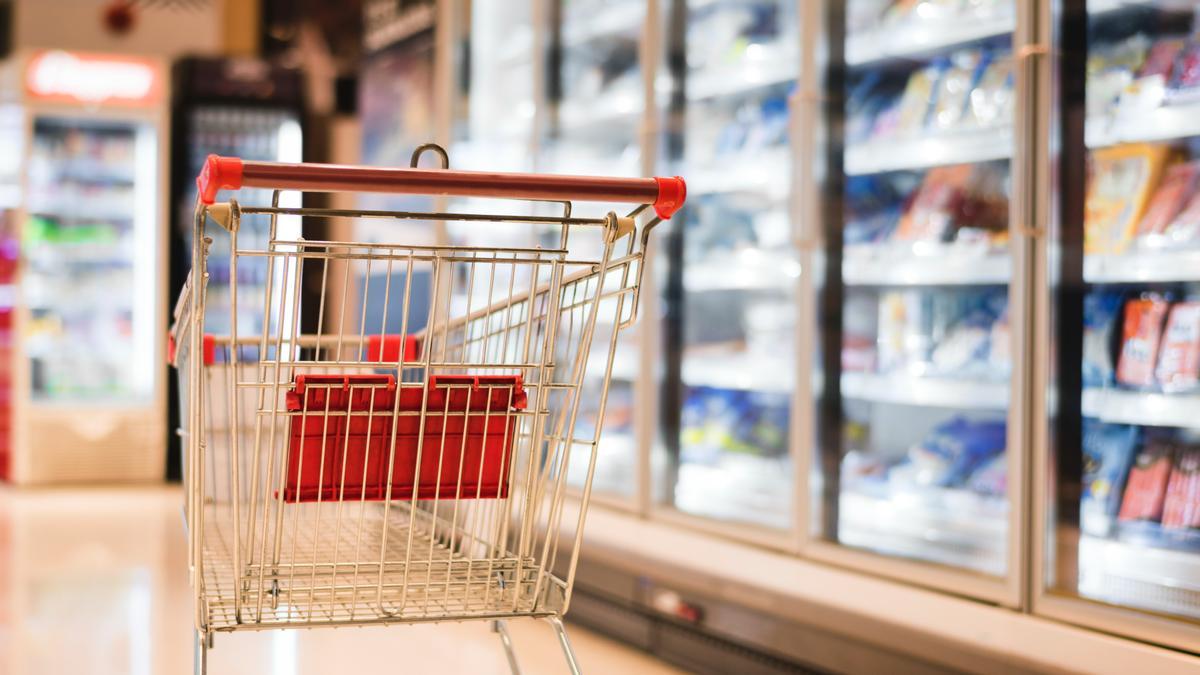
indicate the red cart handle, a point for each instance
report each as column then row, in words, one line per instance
column 231, row 173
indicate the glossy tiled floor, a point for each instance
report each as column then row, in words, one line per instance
column 95, row 582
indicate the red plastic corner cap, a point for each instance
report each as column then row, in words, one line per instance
column 218, row 173
column 671, row 194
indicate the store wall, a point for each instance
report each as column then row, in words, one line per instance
column 160, row 29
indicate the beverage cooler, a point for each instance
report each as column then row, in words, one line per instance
column 88, row 389
column 240, row 108
column 1118, row 463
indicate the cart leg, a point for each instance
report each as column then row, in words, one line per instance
column 561, row 631
column 500, row 627
column 200, row 656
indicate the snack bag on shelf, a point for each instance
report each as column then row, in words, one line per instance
column 936, row 205
column 1120, row 184
column 1108, row 451
column 991, row 101
column 1181, row 508
column 1146, row 488
column 1141, row 335
column 1169, row 199
column 1179, row 357
column 954, row 89
column 992, row 478
column 1149, row 89
column 1100, row 312
column 983, row 211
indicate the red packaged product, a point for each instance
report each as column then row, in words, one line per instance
column 1169, row 199
column 1179, row 355
column 342, row 429
column 1161, row 58
column 936, row 205
column 1140, row 337
column 1182, row 505
column 1186, row 78
column 1146, row 489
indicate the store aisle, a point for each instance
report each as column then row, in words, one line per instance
column 95, row 581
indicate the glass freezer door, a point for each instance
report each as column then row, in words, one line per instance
column 1124, row 270
column 913, row 376
column 89, row 247
column 731, row 274
column 598, row 102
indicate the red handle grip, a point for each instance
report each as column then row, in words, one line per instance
column 230, row 173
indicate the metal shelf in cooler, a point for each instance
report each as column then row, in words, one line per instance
column 936, row 265
column 738, row 370
column 767, row 172
column 1144, row 408
column 925, row 152
column 940, row 525
column 767, row 65
column 926, row 391
column 915, row 39
column 611, row 18
column 1162, row 580
column 1165, row 123
column 1143, row 266
column 749, row 270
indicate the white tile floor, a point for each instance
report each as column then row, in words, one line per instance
column 94, row 581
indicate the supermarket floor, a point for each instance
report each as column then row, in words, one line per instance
column 95, row 581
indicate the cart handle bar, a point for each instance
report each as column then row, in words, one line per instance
column 231, row 173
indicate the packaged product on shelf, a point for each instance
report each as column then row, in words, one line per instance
column 954, row 89
column 866, row 99
column 1179, row 355
column 1121, row 182
column 1100, row 312
column 936, row 205
column 1185, row 79
column 904, row 330
column 1108, row 451
column 983, row 212
column 1141, row 335
column 991, row 479
column 873, row 206
column 955, row 449
column 1110, row 69
column 1184, row 228
column 718, row 421
column 917, row 100
column 999, row 358
column 1169, row 199
column 1146, row 487
column 1181, row 508
column 991, row 101
column 1149, row 89
column 859, row 328
column 964, row 350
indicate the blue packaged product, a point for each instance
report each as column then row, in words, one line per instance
column 953, row 450
column 991, row 479
column 1108, row 452
column 1100, row 312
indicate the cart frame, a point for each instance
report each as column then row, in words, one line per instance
column 470, row 411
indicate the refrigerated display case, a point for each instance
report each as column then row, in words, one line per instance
column 600, row 103
column 731, row 268
column 236, row 107
column 917, row 299
column 88, row 389
column 1118, row 460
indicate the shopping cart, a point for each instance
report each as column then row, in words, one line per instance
column 382, row 435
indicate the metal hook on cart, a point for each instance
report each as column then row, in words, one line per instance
column 430, row 147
